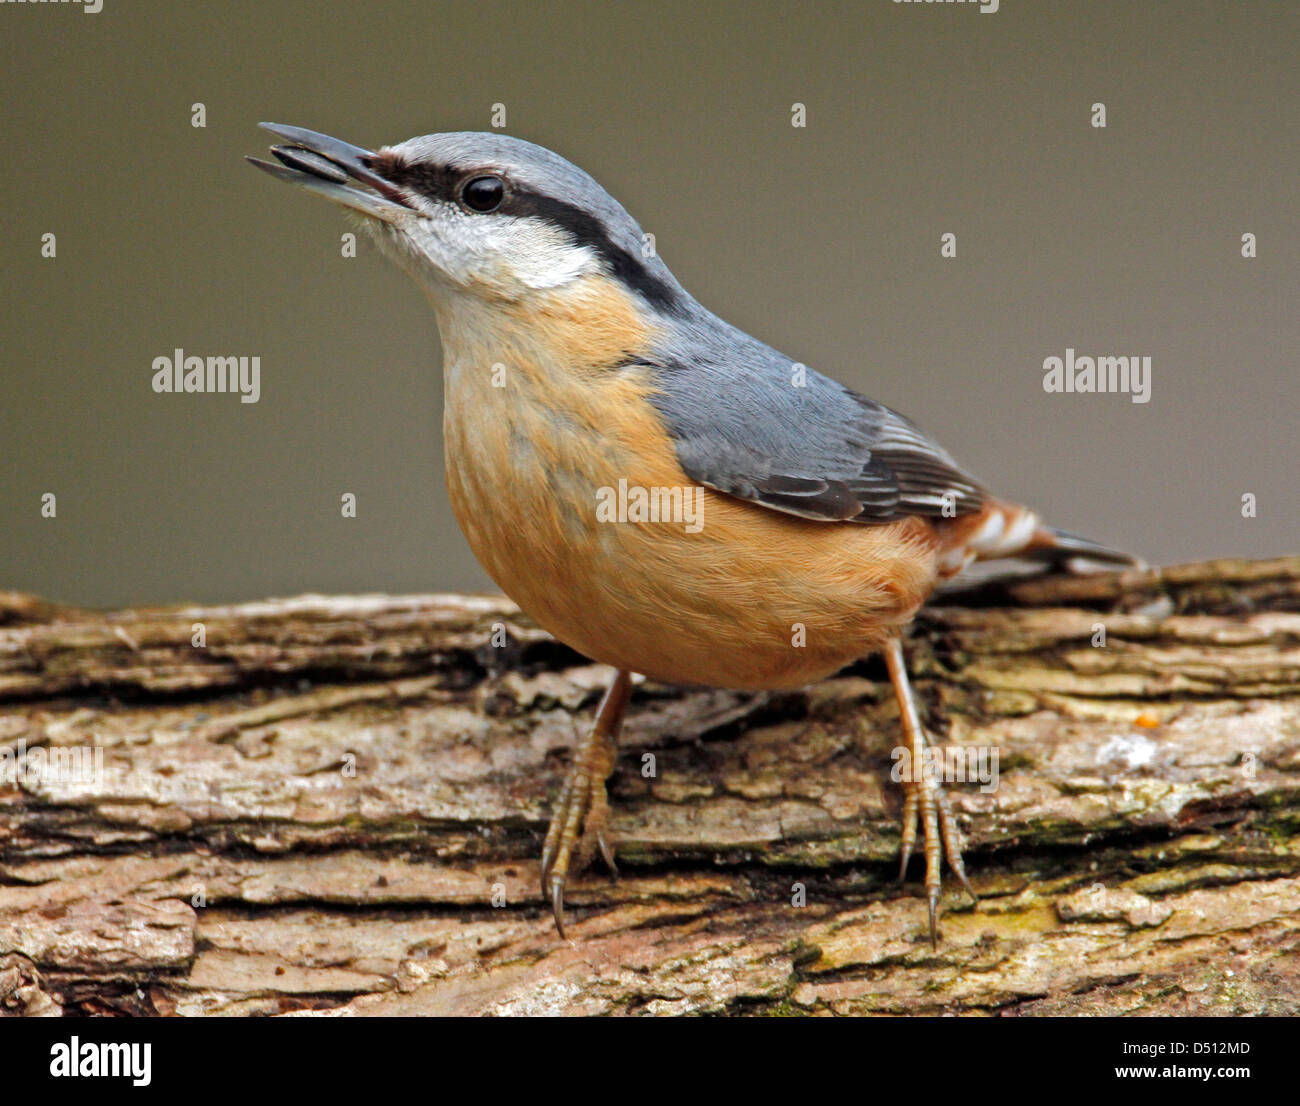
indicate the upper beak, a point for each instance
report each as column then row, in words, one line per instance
column 323, row 164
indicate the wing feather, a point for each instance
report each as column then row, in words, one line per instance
column 818, row 450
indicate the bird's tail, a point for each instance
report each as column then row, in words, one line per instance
column 1056, row 546
column 1008, row 530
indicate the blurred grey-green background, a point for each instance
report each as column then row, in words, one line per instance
column 922, row 119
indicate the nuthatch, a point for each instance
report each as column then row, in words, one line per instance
column 823, row 520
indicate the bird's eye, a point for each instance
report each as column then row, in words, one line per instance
column 483, row 194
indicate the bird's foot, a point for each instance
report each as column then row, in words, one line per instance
column 580, row 823
column 925, row 801
column 579, row 827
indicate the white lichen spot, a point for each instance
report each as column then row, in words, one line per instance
column 1134, row 750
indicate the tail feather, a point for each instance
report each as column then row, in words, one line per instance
column 1051, row 544
column 1004, row 530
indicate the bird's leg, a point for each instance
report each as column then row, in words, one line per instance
column 579, row 824
column 923, row 796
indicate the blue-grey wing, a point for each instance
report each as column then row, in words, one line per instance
column 750, row 423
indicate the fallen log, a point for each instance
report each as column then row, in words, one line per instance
column 336, row 804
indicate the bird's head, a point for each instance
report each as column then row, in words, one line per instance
column 483, row 215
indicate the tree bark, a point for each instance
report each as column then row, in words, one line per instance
column 336, row 805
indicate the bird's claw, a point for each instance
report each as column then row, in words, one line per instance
column 580, row 823
column 924, row 801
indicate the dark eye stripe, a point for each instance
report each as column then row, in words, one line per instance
column 435, row 181
column 587, row 230
column 440, row 183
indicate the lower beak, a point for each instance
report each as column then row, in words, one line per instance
column 327, row 165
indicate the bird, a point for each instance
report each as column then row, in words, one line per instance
column 656, row 488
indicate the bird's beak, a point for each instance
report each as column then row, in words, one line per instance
column 325, row 165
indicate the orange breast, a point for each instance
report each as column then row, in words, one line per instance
column 719, row 592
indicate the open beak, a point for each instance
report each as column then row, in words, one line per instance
column 328, row 166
